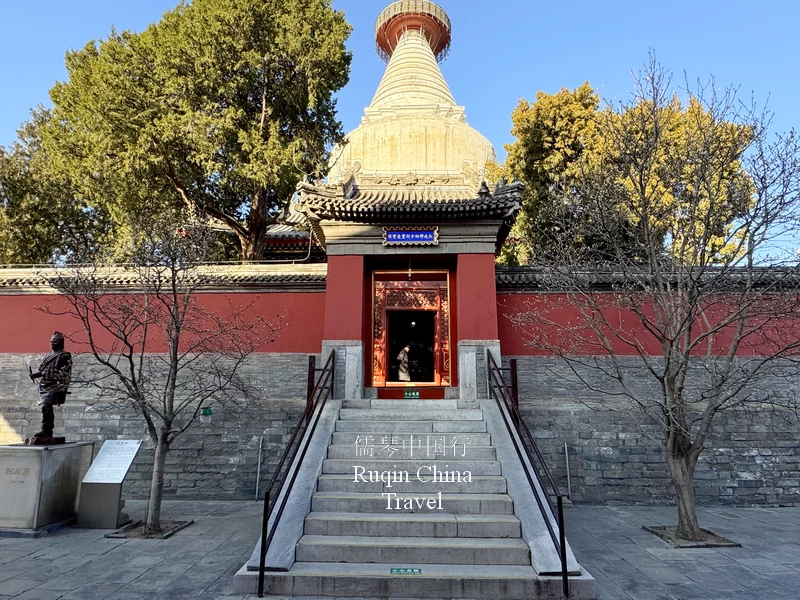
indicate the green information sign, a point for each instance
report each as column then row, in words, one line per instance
column 411, row 395
column 396, row 571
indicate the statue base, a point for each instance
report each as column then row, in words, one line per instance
column 40, row 486
column 45, row 441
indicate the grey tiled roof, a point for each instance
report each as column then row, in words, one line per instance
column 537, row 279
column 233, row 277
column 408, row 203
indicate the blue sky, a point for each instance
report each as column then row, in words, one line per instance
column 502, row 50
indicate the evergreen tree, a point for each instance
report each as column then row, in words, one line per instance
column 221, row 106
column 41, row 218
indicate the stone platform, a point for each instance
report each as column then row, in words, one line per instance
column 40, row 486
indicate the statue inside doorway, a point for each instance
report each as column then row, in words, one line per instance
column 54, row 375
column 402, row 370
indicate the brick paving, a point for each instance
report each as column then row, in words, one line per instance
column 199, row 562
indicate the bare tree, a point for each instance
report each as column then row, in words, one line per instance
column 684, row 220
column 157, row 349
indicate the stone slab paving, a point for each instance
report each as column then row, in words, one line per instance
column 199, row 562
column 629, row 563
column 80, row 564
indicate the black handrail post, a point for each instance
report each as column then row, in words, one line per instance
column 262, row 561
column 332, row 391
column 562, row 539
column 514, row 388
column 312, row 376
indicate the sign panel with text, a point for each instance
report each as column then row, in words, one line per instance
column 410, row 236
column 113, row 461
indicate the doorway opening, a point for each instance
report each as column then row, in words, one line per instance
column 400, row 299
column 415, row 330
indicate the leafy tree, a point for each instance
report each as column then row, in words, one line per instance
column 561, row 141
column 700, row 314
column 41, row 219
column 222, row 106
column 553, row 134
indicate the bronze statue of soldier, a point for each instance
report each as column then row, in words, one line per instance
column 54, row 375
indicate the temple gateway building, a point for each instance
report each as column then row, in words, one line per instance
column 415, row 482
column 410, row 227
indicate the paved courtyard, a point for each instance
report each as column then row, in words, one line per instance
column 630, row 563
column 199, row 562
column 80, row 564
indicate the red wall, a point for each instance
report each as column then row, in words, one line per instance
column 26, row 329
column 476, row 297
column 344, row 307
column 563, row 329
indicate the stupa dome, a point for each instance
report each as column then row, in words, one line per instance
column 413, row 132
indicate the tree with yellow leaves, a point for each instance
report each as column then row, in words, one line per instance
column 566, row 139
column 662, row 228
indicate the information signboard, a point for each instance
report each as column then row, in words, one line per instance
column 113, row 461
column 410, row 236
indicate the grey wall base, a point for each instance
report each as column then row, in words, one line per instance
column 349, row 383
column 472, row 362
column 752, row 458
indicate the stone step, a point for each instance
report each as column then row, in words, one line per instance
column 428, row 449
column 424, row 550
column 363, row 403
column 346, row 466
column 473, row 504
column 343, row 438
column 401, row 524
column 414, row 404
column 422, row 414
column 398, row 426
column 498, row 582
column 347, row 483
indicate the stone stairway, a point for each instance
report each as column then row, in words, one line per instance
column 445, row 535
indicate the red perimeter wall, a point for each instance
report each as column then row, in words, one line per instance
column 765, row 339
column 25, row 328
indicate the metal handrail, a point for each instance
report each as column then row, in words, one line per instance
column 318, row 396
column 513, row 406
column 507, row 402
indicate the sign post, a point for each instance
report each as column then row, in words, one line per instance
column 101, row 490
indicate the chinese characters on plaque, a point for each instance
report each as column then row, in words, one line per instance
column 423, row 236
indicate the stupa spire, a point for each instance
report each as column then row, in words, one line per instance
column 413, row 137
column 413, row 76
column 412, row 36
column 419, row 15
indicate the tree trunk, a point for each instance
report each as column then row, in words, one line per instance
column 157, row 483
column 681, row 467
column 253, row 247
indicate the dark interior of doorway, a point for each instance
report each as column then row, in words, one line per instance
column 416, row 329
